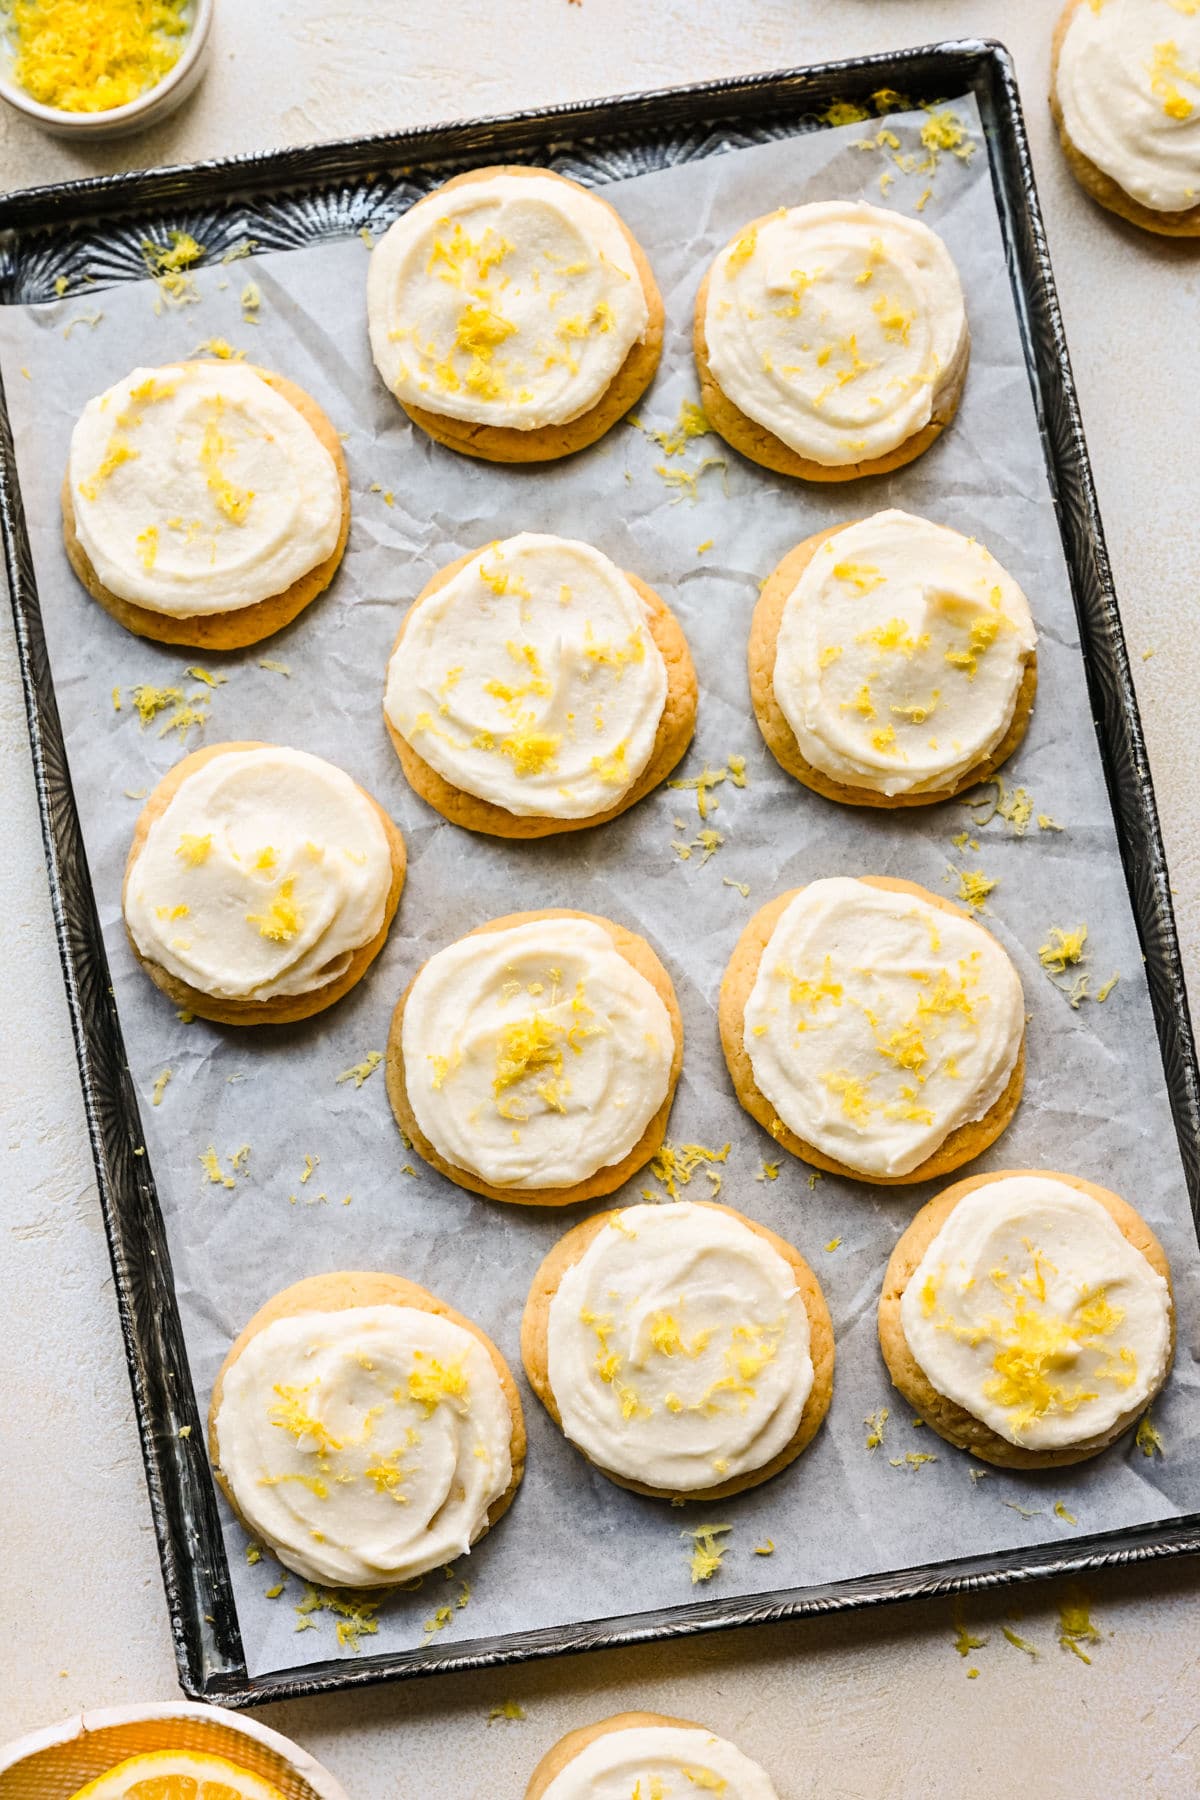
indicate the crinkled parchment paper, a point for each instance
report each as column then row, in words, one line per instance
column 575, row 1547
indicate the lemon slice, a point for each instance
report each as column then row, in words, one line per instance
column 178, row 1775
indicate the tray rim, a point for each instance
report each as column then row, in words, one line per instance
column 208, row 1647
column 226, row 176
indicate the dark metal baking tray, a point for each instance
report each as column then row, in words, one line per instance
column 295, row 197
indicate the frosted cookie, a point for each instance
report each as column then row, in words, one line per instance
column 683, row 1349
column 205, row 503
column 892, row 662
column 649, row 1756
column 364, row 1430
column 873, row 1029
column 1125, row 94
column 535, row 1060
column 260, row 883
column 1028, row 1317
column 536, row 688
column 831, row 340
column 513, row 314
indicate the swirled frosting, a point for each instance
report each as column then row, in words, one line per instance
column 900, row 655
column 878, row 1024
column 838, row 326
column 199, row 489
column 678, row 1348
column 535, row 1055
column 264, row 873
column 512, row 300
column 366, row 1445
column 531, row 679
column 1128, row 84
column 1033, row 1311
column 660, row 1762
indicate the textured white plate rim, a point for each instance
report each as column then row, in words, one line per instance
column 82, row 123
column 104, row 1719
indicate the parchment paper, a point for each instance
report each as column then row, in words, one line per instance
column 574, row 1547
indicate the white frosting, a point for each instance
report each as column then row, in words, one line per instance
column 901, row 652
column 660, row 1762
column 509, row 301
column 878, row 1024
column 264, row 873
column 1128, row 83
column 678, row 1348
column 1034, row 1312
column 839, row 326
column 535, row 1055
column 365, row 1446
column 198, row 489
column 531, row 679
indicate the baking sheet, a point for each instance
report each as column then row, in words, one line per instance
column 574, row 1547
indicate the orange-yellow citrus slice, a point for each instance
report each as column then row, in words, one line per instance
column 178, row 1775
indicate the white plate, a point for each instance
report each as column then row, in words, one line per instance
column 54, row 1763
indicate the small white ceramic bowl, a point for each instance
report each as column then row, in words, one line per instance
column 55, row 1763
column 149, row 108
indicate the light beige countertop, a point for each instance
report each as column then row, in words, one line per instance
column 867, row 1705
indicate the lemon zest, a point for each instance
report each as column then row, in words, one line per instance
column 684, row 483
column 356, row 1618
column 1020, row 1643
column 692, row 422
column 707, row 1554
column 431, row 1381
column 674, row 1165
column 88, row 56
column 974, row 887
column 1075, row 1625
column 1148, row 1439
column 221, row 348
column 965, row 1641
column 282, row 919
column 1013, row 805
column 875, row 1423
column 168, row 264
column 210, row 1163
column 362, row 1071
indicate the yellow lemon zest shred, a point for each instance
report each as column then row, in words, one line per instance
column 88, row 56
column 707, row 1554
column 875, row 1423
column 362, row 1071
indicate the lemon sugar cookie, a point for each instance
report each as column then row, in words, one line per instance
column 513, row 314
column 873, row 1029
column 892, row 662
column 535, row 1060
column 205, row 504
column 534, row 688
column 1125, row 94
column 260, row 883
column 647, row 1755
column 831, row 340
column 1028, row 1316
column 683, row 1349
column 365, row 1431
